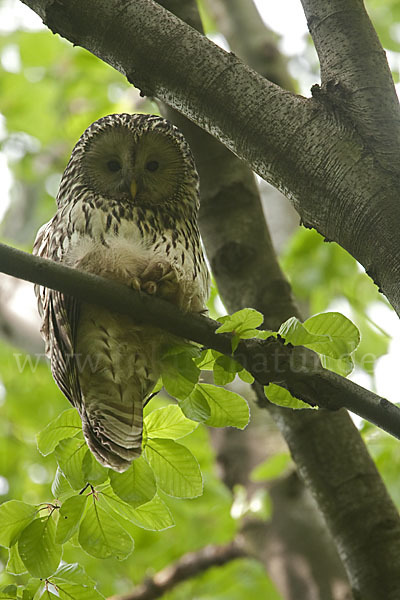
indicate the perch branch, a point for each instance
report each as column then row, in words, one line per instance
column 269, row 361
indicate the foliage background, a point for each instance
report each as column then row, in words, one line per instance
column 50, row 92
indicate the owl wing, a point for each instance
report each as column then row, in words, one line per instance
column 60, row 314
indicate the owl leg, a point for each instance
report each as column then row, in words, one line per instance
column 109, row 265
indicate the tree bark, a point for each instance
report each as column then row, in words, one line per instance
column 250, row 39
column 307, row 148
column 355, row 75
column 302, row 566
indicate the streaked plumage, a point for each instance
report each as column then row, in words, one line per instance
column 127, row 210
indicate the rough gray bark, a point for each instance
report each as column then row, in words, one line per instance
column 296, row 546
column 290, row 557
column 250, row 39
column 257, row 45
column 355, row 76
column 307, row 148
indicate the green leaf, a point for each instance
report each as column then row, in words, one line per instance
column 246, row 376
column 226, row 408
column 93, row 471
column 73, row 591
column 331, row 334
column 72, row 573
column 206, row 360
column 137, row 485
column 176, row 470
column 102, row 536
column 14, row 563
column 70, row 454
column 73, row 584
column 282, row 397
column 265, row 334
column 38, row 549
column 32, row 589
column 158, row 386
column 179, row 375
column 70, row 517
column 8, row 592
column 242, row 322
column 66, row 425
column 14, row 517
column 225, row 370
column 343, row 366
column 168, row 422
column 338, row 327
column 195, row 407
column 60, row 487
column 154, row 515
column 48, row 595
column 271, row 468
column 294, row 332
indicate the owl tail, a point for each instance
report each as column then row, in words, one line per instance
column 113, row 430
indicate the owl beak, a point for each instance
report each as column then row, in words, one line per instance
column 133, row 189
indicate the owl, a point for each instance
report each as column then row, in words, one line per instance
column 126, row 210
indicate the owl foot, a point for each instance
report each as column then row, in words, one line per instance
column 161, row 278
column 150, row 287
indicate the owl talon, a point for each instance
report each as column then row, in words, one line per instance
column 135, row 283
column 156, row 271
column 150, row 287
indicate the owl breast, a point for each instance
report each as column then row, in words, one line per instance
column 118, row 360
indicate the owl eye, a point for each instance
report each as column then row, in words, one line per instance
column 152, row 165
column 114, row 166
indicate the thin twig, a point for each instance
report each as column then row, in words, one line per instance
column 187, row 566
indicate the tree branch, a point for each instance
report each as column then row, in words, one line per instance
column 250, row 38
column 189, row 565
column 303, row 147
column 296, row 368
column 355, row 74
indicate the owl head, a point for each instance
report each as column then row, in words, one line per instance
column 138, row 159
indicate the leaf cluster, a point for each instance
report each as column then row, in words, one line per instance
column 97, row 508
column 332, row 335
